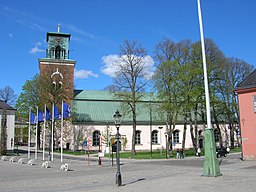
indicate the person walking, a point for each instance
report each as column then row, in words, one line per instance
column 198, row 151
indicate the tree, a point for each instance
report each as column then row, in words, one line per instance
column 8, row 96
column 233, row 72
column 133, row 71
column 166, row 82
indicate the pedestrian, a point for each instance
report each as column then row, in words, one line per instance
column 181, row 153
column 198, row 151
column 178, row 154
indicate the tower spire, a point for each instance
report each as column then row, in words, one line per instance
column 58, row 27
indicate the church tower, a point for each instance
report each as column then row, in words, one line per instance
column 57, row 68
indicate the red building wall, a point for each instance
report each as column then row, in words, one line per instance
column 248, row 123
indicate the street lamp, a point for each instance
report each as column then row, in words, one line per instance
column 161, row 149
column 117, row 117
column 99, row 137
column 166, row 140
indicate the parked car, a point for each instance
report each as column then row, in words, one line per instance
column 221, row 152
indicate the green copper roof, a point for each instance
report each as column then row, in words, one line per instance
column 98, row 107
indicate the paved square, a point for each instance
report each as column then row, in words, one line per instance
column 137, row 175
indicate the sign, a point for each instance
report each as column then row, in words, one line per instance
column 85, row 143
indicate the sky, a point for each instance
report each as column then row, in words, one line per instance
column 99, row 27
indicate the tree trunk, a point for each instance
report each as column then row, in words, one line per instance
column 133, row 151
column 192, row 133
column 184, row 133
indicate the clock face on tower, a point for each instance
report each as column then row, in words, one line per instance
column 58, row 40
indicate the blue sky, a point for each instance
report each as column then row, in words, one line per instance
column 99, row 27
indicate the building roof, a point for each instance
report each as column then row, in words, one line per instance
column 248, row 82
column 98, row 107
column 5, row 105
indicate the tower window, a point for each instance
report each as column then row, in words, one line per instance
column 57, row 52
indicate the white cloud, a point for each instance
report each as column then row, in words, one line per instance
column 112, row 65
column 83, row 74
column 37, row 48
column 10, row 35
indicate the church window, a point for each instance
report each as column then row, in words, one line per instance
column 176, row 136
column 137, row 137
column 154, row 135
column 96, row 138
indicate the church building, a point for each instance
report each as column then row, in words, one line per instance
column 92, row 111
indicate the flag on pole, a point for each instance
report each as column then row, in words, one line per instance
column 47, row 114
column 40, row 117
column 32, row 118
column 56, row 113
column 66, row 110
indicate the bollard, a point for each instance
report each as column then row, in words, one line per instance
column 20, row 161
column 64, row 167
column 4, row 158
column 45, row 165
column 12, row 159
column 31, row 162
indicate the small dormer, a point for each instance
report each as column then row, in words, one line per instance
column 57, row 45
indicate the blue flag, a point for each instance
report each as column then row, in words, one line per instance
column 66, row 110
column 47, row 115
column 40, row 116
column 32, row 118
column 56, row 113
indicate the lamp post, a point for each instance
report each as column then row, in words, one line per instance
column 117, row 117
column 99, row 137
column 166, row 144
column 161, row 147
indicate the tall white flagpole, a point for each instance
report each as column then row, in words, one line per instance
column 36, row 131
column 61, row 129
column 29, row 126
column 44, row 130
column 207, row 98
column 52, row 130
column 211, row 164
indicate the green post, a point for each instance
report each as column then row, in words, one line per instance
column 211, row 163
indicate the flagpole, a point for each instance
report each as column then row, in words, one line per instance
column 36, row 132
column 44, row 130
column 211, row 164
column 52, row 130
column 29, row 124
column 61, row 129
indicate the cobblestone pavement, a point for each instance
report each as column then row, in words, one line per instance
column 137, row 175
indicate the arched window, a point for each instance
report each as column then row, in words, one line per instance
column 154, row 136
column 176, row 136
column 96, row 138
column 137, row 137
column 57, row 52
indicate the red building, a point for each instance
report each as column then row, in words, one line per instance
column 246, row 92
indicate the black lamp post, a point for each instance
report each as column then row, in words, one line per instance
column 99, row 135
column 166, row 145
column 117, row 117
